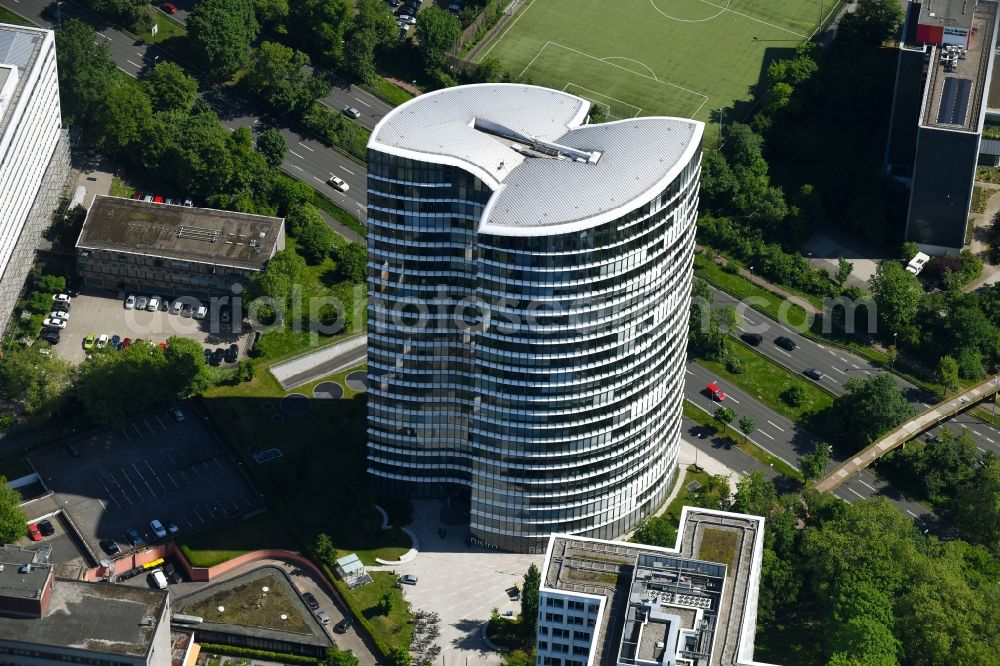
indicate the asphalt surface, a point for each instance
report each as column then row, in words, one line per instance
column 838, row 365
column 307, row 159
column 371, row 107
column 786, row 440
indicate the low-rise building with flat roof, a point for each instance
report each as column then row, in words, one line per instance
column 44, row 619
column 147, row 247
column 611, row 603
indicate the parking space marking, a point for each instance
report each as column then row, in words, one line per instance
column 151, row 431
column 187, row 482
column 236, row 507
column 200, row 519
column 219, row 463
column 137, row 431
column 124, row 432
column 173, row 481
column 172, row 461
column 160, row 422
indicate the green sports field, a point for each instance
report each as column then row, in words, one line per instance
column 654, row 57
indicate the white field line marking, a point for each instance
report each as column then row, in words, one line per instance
column 704, row 98
column 754, row 18
column 776, row 426
column 295, row 153
column 701, row 20
column 826, row 18
column 641, row 64
column 512, row 24
column 638, row 110
column 305, row 146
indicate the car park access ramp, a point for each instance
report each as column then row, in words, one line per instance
column 923, row 421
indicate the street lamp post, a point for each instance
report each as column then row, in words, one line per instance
column 895, row 351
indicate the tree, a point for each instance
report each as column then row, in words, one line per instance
column 169, row 88
column 385, row 603
column 947, row 373
column 795, row 396
column 375, row 18
column 85, row 70
column 187, row 369
column 361, row 56
column 897, row 294
column 907, row 251
column 755, row 495
column 814, row 463
column 223, row 31
column 725, row 416
column 324, row 550
column 139, row 367
column 437, row 34
column 271, row 144
column 35, row 382
column 284, row 270
column 335, row 657
column 281, row 76
column 319, row 27
column 490, row 70
column 975, row 509
column 946, row 463
column 12, row 517
column 872, row 23
column 747, row 426
column 656, row 531
column 316, row 242
column 529, row 602
column 352, row 261
column 118, row 124
column 873, row 406
column 272, row 15
column 844, row 269
column 399, row 657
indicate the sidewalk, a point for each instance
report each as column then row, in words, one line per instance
column 324, row 361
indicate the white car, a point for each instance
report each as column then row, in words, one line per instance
column 154, row 303
column 130, row 302
column 60, row 298
column 200, row 312
column 59, row 315
column 175, row 307
column 54, row 323
column 338, row 184
column 409, row 20
column 102, row 341
column 158, row 529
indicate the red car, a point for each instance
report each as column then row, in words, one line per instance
column 716, row 393
column 158, row 198
column 163, row 346
column 169, row 7
column 33, row 532
column 125, row 343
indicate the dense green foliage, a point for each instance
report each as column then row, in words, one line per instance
column 271, row 144
column 13, row 518
column 280, row 76
column 223, row 32
column 872, row 406
column 529, row 602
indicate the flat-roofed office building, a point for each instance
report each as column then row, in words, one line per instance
column 529, row 285
column 34, row 153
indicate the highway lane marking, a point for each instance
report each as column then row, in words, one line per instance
column 978, row 434
column 855, row 366
column 830, row 378
column 306, row 147
column 964, row 426
column 874, row 490
column 733, row 399
column 990, row 440
column 101, row 34
column 832, row 353
column 231, row 129
column 839, row 370
column 856, row 492
column 785, row 353
column 844, row 360
column 363, row 102
column 319, row 179
column 766, row 435
column 912, row 514
column 688, row 371
column 820, row 346
column 867, row 373
column 925, row 405
column 776, row 426
column 299, row 168
column 346, row 169
column 296, row 154
column 981, row 449
column 132, row 63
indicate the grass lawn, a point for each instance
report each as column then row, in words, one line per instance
column 120, row 189
column 981, row 198
column 747, row 447
column 167, row 27
column 8, row 16
column 770, row 304
column 389, row 92
column 394, row 627
column 718, row 546
column 246, row 606
column 683, row 58
column 684, row 496
column 767, row 381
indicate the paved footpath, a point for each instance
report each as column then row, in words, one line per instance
column 324, row 361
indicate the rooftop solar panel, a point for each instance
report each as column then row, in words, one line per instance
column 954, row 101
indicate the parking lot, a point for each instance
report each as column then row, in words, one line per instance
column 150, row 467
column 70, row 561
column 105, row 314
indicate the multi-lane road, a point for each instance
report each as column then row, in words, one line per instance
column 839, row 365
column 307, row 159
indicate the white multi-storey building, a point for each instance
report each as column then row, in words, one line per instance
column 528, row 302
column 34, row 152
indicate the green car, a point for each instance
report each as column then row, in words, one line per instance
column 88, row 342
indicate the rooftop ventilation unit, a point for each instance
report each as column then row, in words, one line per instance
column 543, row 148
column 196, row 233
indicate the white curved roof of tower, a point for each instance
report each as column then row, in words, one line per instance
column 635, row 159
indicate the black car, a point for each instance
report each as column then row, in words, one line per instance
column 813, row 373
column 59, row 306
column 785, row 343
column 46, row 528
column 50, row 335
column 217, row 356
column 232, row 353
column 310, row 600
column 752, row 339
column 343, row 625
column 110, row 547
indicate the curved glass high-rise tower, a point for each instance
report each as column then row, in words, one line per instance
column 529, row 279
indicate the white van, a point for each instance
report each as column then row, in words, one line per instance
column 159, row 580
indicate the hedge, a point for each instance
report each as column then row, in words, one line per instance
column 233, row 651
column 345, row 593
